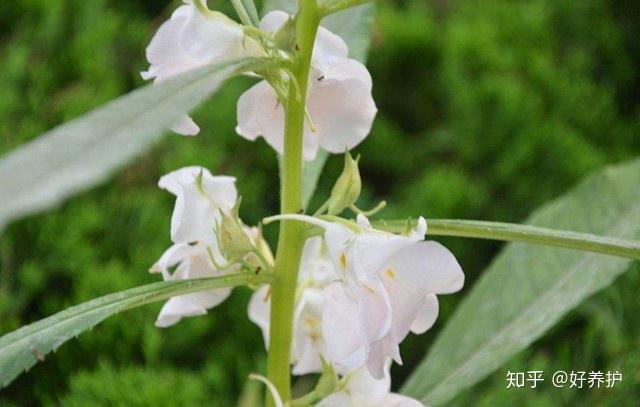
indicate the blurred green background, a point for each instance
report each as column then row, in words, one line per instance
column 487, row 109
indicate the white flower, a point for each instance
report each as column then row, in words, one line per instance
column 339, row 99
column 393, row 280
column 363, row 390
column 190, row 40
column 199, row 199
column 316, row 271
column 382, row 287
column 191, row 261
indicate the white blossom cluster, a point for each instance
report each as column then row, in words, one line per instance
column 360, row 290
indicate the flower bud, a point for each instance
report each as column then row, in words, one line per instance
column 232, row 238
column 346, row 190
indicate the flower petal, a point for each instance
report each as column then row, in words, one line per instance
column 186, row 127
column 373, row 390
column 260, row 114
column 344, row 335
column 426, row 316
column 341, row 107
column 273, row 21
column 328, row 46
column 260, row 311
column 430, row 265
column 189, row 305
column 197, row 203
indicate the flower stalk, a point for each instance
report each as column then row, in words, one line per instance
column 291, row 239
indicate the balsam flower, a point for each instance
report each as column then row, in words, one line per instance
column 381, row 286
column 360, row 294
column 316, row 272
column 190, row 261
column 339, row 101
column 200, row 200
column 363, row 390
column 194, row 37
column 393, row 280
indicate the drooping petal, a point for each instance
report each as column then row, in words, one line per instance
column 165, row 53
column 170, row 258
column 273, row 21
column 381, row 353
column 339, row 102
column 430, row 265
column 191, row 261
column 190, row 40
column 343, row 333
column 260, row 311
column 186, row 127
column 199, row 197
column 308, row 342
column 412, row 274
column 371, row 250
column 375, row 310
column 328, row 46
column 342, row 109
column 373, row 390
column 426, row 316
column 172, row 181
column 260, row 114
column 315, row 263
column 175, row 309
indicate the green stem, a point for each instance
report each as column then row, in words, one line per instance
column 523, row 233
column 333, row 6
column 291, row 238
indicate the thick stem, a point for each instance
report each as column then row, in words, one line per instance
column 291, row 233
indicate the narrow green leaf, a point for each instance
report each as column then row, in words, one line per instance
column 85, row 151
column 354, row 27
column 21, row 349
column 514, row 232
column 528, row 289
column 250, row 6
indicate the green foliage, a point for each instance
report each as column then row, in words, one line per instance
column 86, row 151
column 487, row 110
column 21, row 349
column 135, row 386
column 528, row 289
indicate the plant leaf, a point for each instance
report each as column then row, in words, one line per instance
column 354, row 26
column 515, row 232
column 85, row 151
column 527, row 289
column 250, row 6
column 21, row 349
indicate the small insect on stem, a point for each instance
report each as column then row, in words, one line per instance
column 320, row 78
